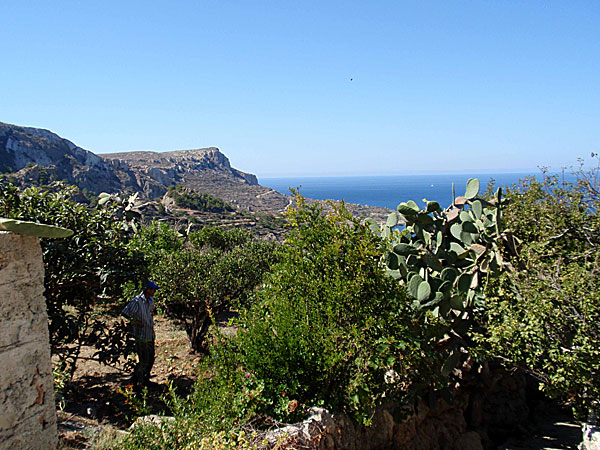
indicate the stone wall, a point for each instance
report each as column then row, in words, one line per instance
column 27, row 410
column 490, row 405
column 591, row 432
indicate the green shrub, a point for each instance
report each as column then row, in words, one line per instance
column 329, row 323
column 219, row 272
column 545, row 315
column 187, row 198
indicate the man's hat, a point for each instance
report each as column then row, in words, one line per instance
column 151, row 285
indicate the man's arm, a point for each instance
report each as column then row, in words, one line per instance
column 131, row 312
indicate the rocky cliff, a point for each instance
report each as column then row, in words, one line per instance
column 154, row 171
column 24, row 150
column 37, row 156
column 21, row 148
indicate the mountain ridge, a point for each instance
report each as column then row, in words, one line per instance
column 35, row 156
column 23, row 146
column 149, row 173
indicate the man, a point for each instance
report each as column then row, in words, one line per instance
column 139, row 312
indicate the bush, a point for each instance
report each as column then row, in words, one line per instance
column 330, row 327
column 545, row 315
column 219, row 272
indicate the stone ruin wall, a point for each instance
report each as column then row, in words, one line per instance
column 490, row 406
column 27, row 409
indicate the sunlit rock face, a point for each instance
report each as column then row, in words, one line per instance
column 23, row 147
column 24, row 150
column 176, row 166
column 27, row 411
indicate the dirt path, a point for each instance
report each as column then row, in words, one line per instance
column 99, row 395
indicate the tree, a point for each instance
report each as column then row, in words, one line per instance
column 545, row 316
column 80, row 271
column 218, row 271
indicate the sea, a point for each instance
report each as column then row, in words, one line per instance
column 388, row 191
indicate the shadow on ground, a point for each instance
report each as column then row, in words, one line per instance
column 552, row 428
column 110, row 398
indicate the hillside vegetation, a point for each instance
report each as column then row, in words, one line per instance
column 345, row 314
column 185, row 198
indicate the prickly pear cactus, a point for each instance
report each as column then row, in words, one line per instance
column 443, row 256
column 34, row 229
column 128, row 210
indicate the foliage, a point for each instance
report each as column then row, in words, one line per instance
column 214, row 416
column 137, row 403
column 155, row 239
column 444, row 258
column 329, row 324
column 328, row 328
column 80, row 270
column 109, row 256
column 322, row 321
column 528, row 296
column 218, row 271
column 185, row 435
column 545, row 316
column 61, row 378
column 187, row 198
column 125, row 209
column 218, row 238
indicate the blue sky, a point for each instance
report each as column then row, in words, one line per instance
column 437, row 86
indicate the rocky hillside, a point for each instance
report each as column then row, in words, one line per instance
column 36, row 156
column 149, row 173
column 167, row 166
column 205, row 170
column 23, row 148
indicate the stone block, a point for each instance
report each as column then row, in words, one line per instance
column 27, row 410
